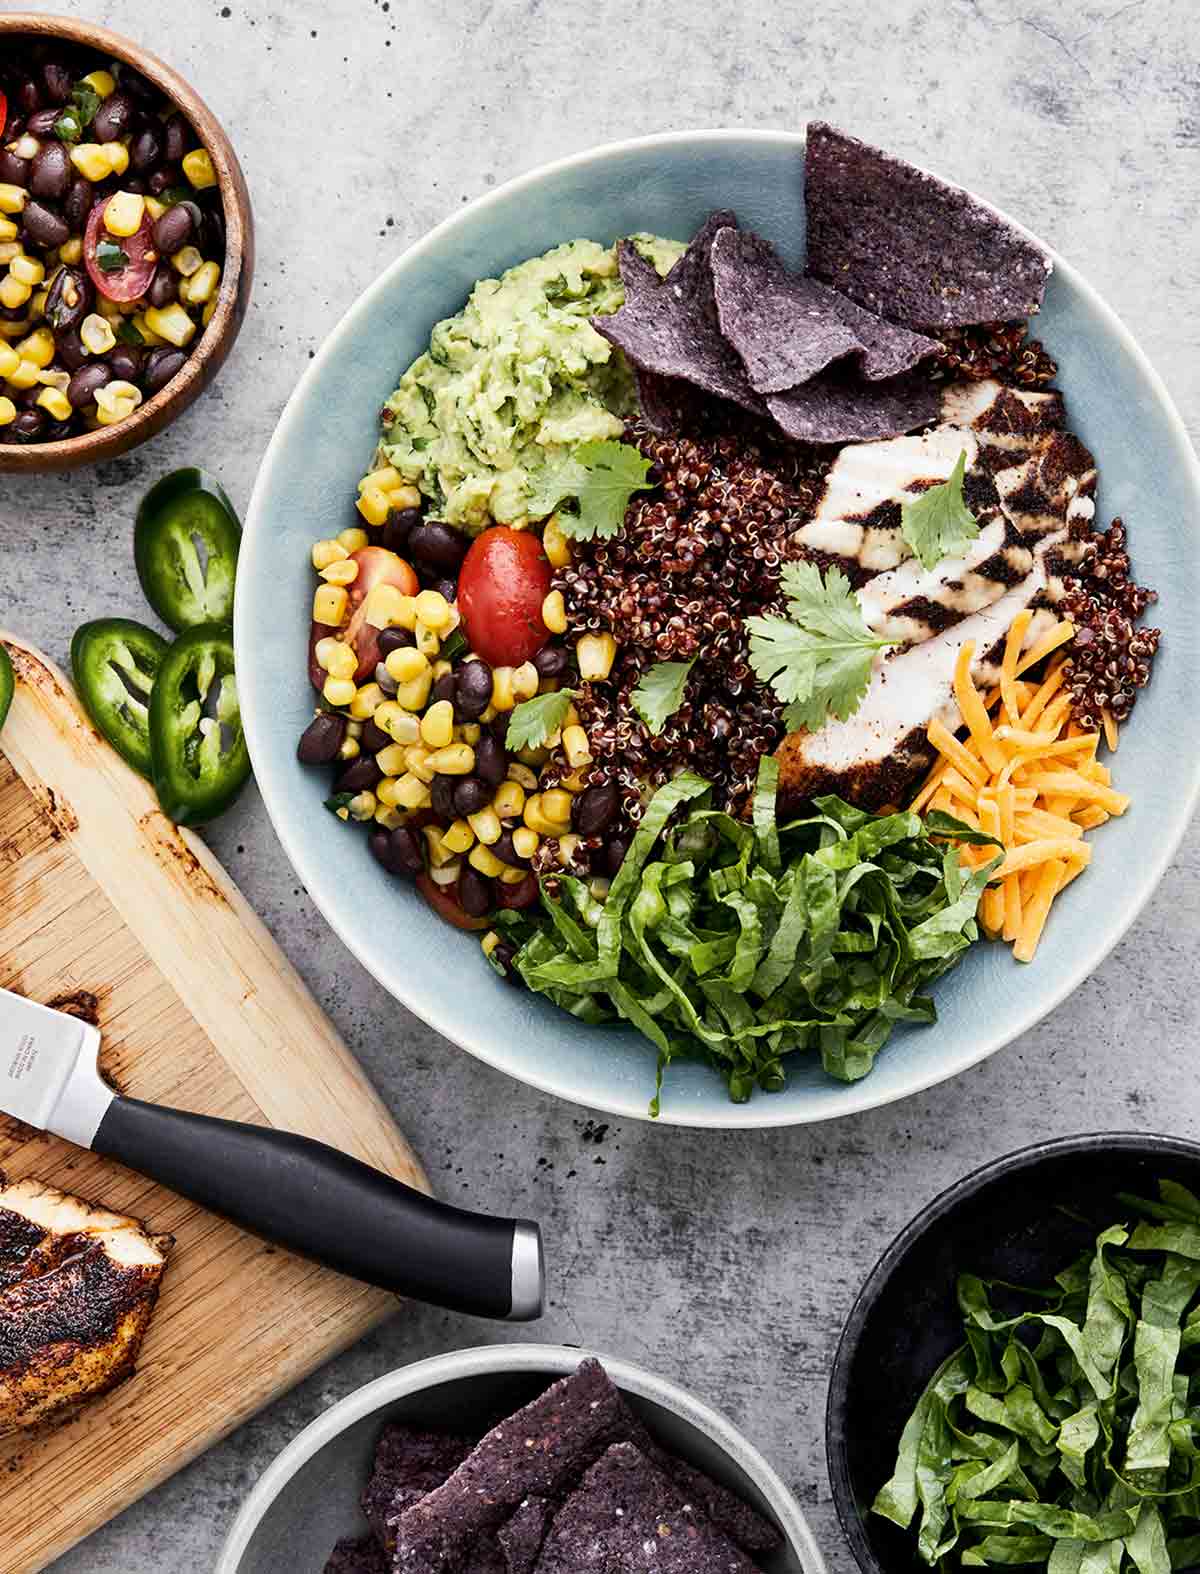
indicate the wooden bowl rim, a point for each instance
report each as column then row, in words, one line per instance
column 188, row 382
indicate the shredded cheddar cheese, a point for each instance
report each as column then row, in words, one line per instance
column 1027, row 775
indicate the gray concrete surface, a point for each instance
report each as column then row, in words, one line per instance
column 726, row 1262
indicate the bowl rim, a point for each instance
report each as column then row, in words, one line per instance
column 851, row 1521
column 216, row 339
column 757, row 1113
column 484, row 1360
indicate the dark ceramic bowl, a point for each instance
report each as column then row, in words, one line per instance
column 1022, row 1218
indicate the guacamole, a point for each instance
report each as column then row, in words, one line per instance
column 517, row 377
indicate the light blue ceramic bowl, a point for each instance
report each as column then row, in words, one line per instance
column 1149, row 475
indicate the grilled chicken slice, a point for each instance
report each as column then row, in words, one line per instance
column 78, row 1287
column 1030, row 485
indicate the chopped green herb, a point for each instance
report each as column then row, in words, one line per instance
column 86, row 101
column 600, row 477
column 938, row 524
column 339, row 800
column 453, row 645
column 817, row 659
column 110, row 258
column 174, row 195
column 68, row 127
column 1062, row 1433
column 659, row 693
column 533, row 721
column 127, row 333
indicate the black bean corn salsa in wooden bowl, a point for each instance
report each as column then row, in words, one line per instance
column 126, row 244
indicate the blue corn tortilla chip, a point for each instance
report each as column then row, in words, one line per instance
column 521, row 1539
column 626, row 1516
column 361, row 1556
column 908, row 246
column 408, row 1463
column 787, row 327
column 838, row 406
column 485, row 1557
column 669, row 326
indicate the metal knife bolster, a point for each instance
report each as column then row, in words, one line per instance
column 49, row 1076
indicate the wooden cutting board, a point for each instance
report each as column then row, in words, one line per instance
column 108, row 906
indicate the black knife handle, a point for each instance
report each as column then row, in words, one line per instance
column 325, row 1205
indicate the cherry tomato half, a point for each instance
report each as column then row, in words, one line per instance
column 3, row 111
column 504, row 579
column 376, row 566
column 443, row 900
column 132, row 280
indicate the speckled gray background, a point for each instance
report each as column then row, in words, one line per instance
column 725, row 1262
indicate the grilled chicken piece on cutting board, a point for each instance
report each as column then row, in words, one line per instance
column 78, row 1287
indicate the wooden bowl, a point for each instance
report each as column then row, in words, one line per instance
column 216, row 340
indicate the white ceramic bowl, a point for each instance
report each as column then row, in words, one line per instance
column 306, row 489
column 308, row 1499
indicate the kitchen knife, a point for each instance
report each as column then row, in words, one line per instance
column 295, row 1192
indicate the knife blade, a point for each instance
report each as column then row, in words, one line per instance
column 297, row 1193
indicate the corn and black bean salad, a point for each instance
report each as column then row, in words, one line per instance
column 112, row 241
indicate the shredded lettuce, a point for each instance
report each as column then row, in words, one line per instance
column 741, row 943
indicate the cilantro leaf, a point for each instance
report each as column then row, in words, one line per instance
column 938, row 524
column 110, row 258
column 532, row 722
column 86, row 101
column 817, row 659
column 601, row 476
column 659, row 693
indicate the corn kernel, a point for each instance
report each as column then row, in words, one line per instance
column 55, row 403
column 529, row 756
column 456, row 759
column 525, row 841
column 406, row 664
column 116, row 401
column 439, row 853
column 417, row 758
column 414, row 695
column 399, row 724
column 536, row 819
column 555, row 544
column 116, row 156
column 8, row 411
column 385, row 478
column 9, row 360
column 25, row 375
column 411, row 792
column 202, row 285
column 388, row 816
column 12, row 198
column 97, row 334
column 572, row 718
column 9, row 230
column 595, row 654
column 427, row 641
column 343, row 663
column 554, row 612
column 171, row 323
column 522, row 775
column 363, row 806
column 510, row 875
column 198, row 167
column 353, row 539
column 386, row 791
column 459, row 837
column 390, row 759
column 486, row 825
column 404, row 496
column 59, row 380
column 556, row 804
column 434, row 611
column 124, row 212
column 38, row 347
column 367, row 701
column 485, row 860
column 509, row 800
column 187, row 260
column 349, row 748
column 154, row 207
column 446, row 874
column 503, row 697
column 140, row 323
column 525, row 681
column 8, row 250
column 470, row 732
column 372, row 504
column 323, row 650
column 437, row 725
column 384, row 606
column 28, row 269
column 329, row 605
column 101, row 82
column 576, row 746
column 339, row 691
column 326, row 552
column 13, row 293
column 71, row 251
column 343, row 572
column 489, row 942
column 209, row 312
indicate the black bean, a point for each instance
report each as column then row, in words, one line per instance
column 126, row 363
column 77, row 203
column 160, row 366
column 26, row 426
column 612, row 854
column 395, row 639
column 28, row 97
column 491, row 762
column 69, row 298
column 58, row 431
column 506, row 852
column 447, row 588
column 163, row 179
column 14, row 314
column 81, row 390
column 175, row 138
column 164, row 286
column 444, row 687
column 373, row 738
column 43, row 226
column 14, row 171
column 145, row 150
column 438, row 546
column 523, row 894
column 475, row 893
column 505, row 956
column 400, row 851
column 136, row 85
column 363, row 775
column 42, row 123
column 398, row 525
column 212, row 233
column 135, row 183
column 441, row 796
column 173, row 230
column 56, row 80
column 68, row 349
column 474, row 683
column 321, row 739
column 551, row 661
column 113, row 117
column 594, row 809
column 470, row 795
